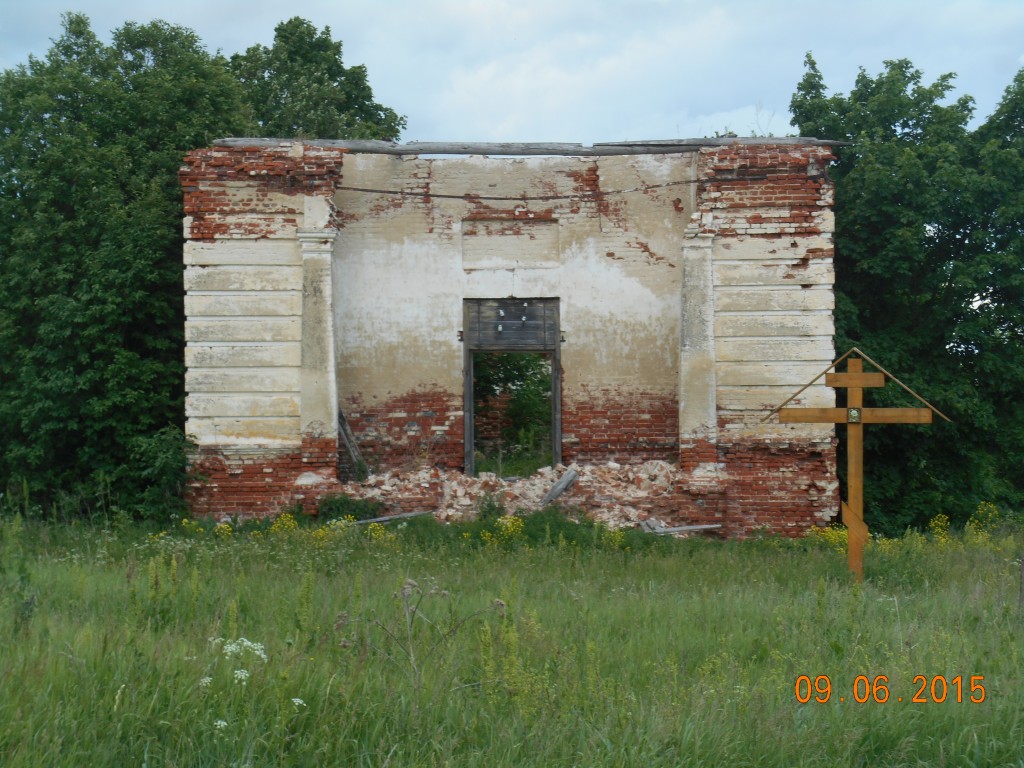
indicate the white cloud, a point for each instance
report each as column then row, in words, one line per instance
column 579, row 70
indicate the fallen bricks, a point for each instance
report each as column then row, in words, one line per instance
column 616, row 495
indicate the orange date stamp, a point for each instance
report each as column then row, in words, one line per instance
column 937, row 689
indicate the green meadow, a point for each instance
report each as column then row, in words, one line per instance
column 510, row 641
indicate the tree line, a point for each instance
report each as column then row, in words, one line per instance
column 929, row 259
column 929, row 256
column 91, row 302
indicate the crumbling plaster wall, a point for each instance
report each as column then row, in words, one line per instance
column 261, row 397
column 695, row 293
column 418, row 236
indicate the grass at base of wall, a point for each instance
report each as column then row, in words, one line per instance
column 504, row 644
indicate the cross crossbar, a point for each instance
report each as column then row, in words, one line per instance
column 855, row 415
column 854, row 380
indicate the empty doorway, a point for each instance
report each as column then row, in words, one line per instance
column 512, row 413
column 512, row 384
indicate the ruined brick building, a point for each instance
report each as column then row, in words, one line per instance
column 681, row 289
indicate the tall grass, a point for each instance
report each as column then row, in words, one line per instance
column 519, row 643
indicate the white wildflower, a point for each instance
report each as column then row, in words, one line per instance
column 241, row 645
column 220, row 725
column 242, row 676
column 204, row 682
column 298, row 703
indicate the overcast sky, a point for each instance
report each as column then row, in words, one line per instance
column 590, row 70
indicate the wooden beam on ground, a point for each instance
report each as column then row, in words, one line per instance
column 393, row 518
column 564, row 483
column 661, row 530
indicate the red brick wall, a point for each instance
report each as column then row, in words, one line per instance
column 779, row 192
column 236, row 191
column 251, row 192
column 778, row 487
column 247, row 483
column 763, row 190
column 490, row 417
column 749, row 487
column 746, row 484
column 625, row 426
column 746, row 487
column 413, row 430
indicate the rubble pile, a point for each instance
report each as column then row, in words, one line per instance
column 617, row 495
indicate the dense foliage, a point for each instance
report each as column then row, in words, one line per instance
column 300, row 87
column 930, row 281
column 91, row 316
column 524, row 377
column 929, row 256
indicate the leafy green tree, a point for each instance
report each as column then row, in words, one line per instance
column 524, row 377
column 993, row 333
column 91, row 139
column 300, row 87
column 91, row 309
column 928, row 281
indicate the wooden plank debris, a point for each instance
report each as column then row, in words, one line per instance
column 393, row 518
column 350, row 443
column 654, row 526
column 564, row 483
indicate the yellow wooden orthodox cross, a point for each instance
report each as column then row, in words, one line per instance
column 855, row 416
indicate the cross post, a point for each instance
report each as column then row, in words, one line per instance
column 855, row 416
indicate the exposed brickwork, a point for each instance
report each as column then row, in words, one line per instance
column 743, row 191
column 261, row 482
column 237, row 191
column 781, row 488
column 764, row 190
column 777, row 192
column 491, row 418
column 592, row 200
column 416, row 429
column 628, row 427
column 750, row 488
column 685, row 500
column 697, row 453
column 747, row 488
column 482, row 211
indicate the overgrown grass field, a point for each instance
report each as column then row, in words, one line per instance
column 508, row 642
